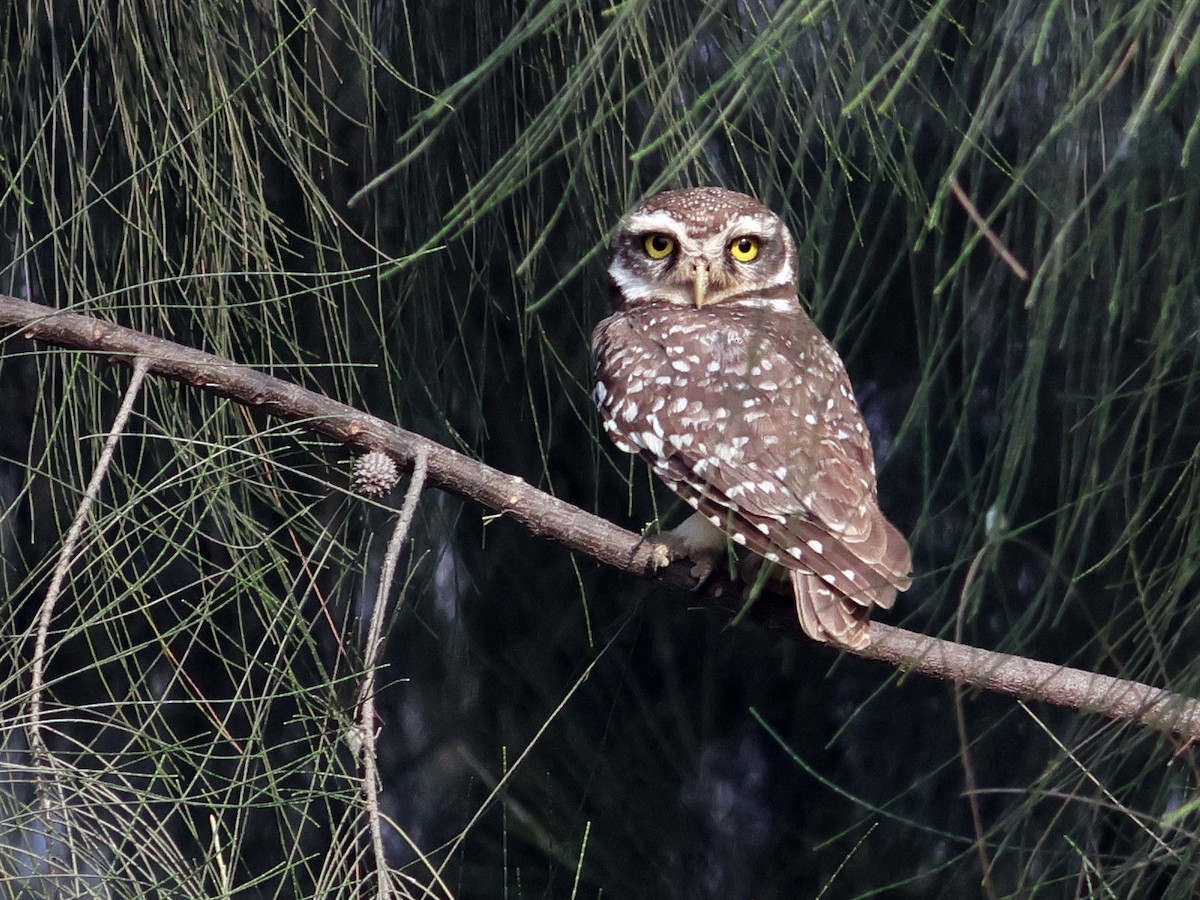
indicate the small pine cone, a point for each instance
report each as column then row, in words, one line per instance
column 375, row 474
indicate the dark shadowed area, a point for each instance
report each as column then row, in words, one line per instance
column 407, row 206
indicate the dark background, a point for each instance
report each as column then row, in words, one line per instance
column 406, row 206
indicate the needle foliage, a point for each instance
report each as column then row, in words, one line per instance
column 405, row 205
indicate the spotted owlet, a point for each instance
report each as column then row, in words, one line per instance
column 710, row 370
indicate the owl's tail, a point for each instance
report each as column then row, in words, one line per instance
column 829, row 616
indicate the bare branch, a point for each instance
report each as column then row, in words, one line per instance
column 549, row 517
column 985, row 229
column 372, row 654
column 48, row 787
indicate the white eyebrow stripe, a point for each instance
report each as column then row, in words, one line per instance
column 659, row 220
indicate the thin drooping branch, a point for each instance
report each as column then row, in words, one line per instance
column 66, row 556
column 373, row 652
column 48, row 789
column 548, row 517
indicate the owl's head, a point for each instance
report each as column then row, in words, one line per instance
column 703, row 247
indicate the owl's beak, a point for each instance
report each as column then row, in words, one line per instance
column 700, row 280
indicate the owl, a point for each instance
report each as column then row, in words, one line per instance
column 710, row 370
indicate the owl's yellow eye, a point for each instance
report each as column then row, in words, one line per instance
column 744, row 249
column 658, row 246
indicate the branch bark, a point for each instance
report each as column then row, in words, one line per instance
column 548, row 517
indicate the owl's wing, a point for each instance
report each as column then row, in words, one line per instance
column 768, row 443
column 790, row 474
column 862, row 557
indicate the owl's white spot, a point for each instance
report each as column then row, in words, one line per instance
column 663, row 379
column 740, row 441
column 713, row 367
column 774, row 304
column 762, row 526
column 720, row 413
column 630, row 411
column 636, row 386
column 817, row 546
column 680, row 365
column 749, row 402
column 795, row 552
column 736, row 491
column 693, row 502
column 770, row 555
column 754, row 415
column 680, row 381
column 858, row 426
column 767, row 487
column 766, row 365
column 755, row 371
column 810, row 419
column 842, row 390
column 781, row 472
column 679, row 405
column 693, row 359
column 768, row 386
column 727, row 453
column 610, row 425
column 659, row 403
column 850, row 574
column 679, row 441
column 770, row 440
column 652, row 442
column 829, row 403
column 842, row 434
column 600, row 393
column 828, row 578
column 739, row 538
column 716, row 520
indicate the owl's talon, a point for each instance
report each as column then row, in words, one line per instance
column 693, row 539
column 667, row 551
column 702, row 570
column 660, row 556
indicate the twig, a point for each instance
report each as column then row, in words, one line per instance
column 549, row 517
column 42, row 759
column 372, row 654
column 970, row 786
column 985, row 229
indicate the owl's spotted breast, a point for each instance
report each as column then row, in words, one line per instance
column 743, row 408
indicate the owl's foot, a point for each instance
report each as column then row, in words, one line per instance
column 668, row 548
column 695, row 539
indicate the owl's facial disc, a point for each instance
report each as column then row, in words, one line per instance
column 702, row 248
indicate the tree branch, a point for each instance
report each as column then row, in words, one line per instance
column 548, row 517
column 373, row 652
